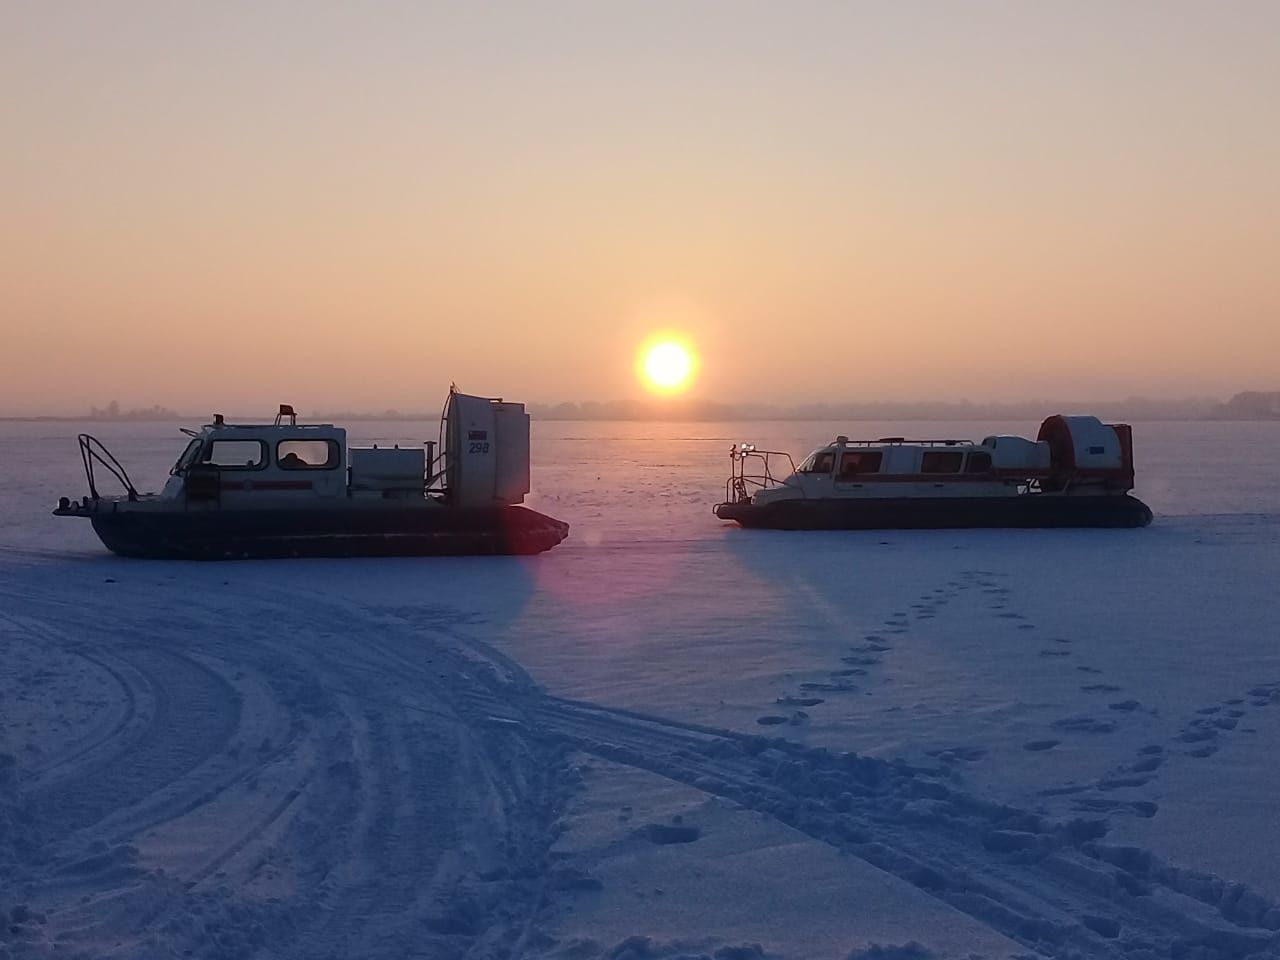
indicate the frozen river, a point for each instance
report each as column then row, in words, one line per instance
column 666, row 737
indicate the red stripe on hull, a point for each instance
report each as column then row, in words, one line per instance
column 252, row 486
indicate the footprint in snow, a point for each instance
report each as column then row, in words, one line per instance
column 1147, row 765
column 1115, row 783
column 1102, row 926
column 1197, row 734
column 668, row 833
column 1096, row 804
column 1264, row 694
column 1038, row 745
column 770, row 720
column 952, row 754
column 860, row 661
column 872, row 648
column 1100, row 688
column 799, row 701
column 1085, row 725
column 1055, row 653
column 1091, row 803
column 1124, row 706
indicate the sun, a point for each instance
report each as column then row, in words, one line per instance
column 667, row 365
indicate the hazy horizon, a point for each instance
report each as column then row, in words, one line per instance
column 225, row 207
column 1247, row 405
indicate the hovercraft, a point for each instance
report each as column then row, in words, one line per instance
column 285, row 489
column 1078, row 472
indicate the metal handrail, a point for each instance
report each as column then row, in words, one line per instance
column 901, row 442
column 738, row 488
column 92, row 450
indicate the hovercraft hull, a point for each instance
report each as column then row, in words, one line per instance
column 921, row 513
column 389, row 532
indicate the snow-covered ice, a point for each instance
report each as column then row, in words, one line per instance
column 666, row 737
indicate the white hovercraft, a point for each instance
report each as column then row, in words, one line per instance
column 1078, row 472
column 286, row 489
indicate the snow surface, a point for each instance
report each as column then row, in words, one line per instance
column 666, row 737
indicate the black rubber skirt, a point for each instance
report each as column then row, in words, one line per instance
column 388, row 532
column 908, row 513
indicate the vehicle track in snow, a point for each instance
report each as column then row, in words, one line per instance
column 192, row 716
column 119, row 717
column 1058, row 888
column 330, row 799
column 383, row 787
column 162, row 757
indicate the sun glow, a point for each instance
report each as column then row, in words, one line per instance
column 667, row 365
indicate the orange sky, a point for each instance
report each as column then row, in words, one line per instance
column 349, row 206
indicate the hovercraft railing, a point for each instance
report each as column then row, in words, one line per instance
column 92, row 450
column 741, row 485
column 843, row 441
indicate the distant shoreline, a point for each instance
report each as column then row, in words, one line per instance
column 1250, row 406
column 745, row 418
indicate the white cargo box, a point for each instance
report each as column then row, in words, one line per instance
column 1017, row 453
column 390, row 468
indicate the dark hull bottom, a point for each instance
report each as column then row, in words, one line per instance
column 1032, row 510
column 235, row 535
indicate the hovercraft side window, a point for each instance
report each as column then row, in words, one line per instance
column 189, row 456
column 978, row 463
column 307, row 454
column 237, row 454
column 855, row 462
column 819, row 462
column 940, row 461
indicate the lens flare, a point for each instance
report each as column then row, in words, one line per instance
column 667, row 365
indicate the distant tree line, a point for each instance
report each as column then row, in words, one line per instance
column 1250, row 405
column 1134, row 408
column 112, row 411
